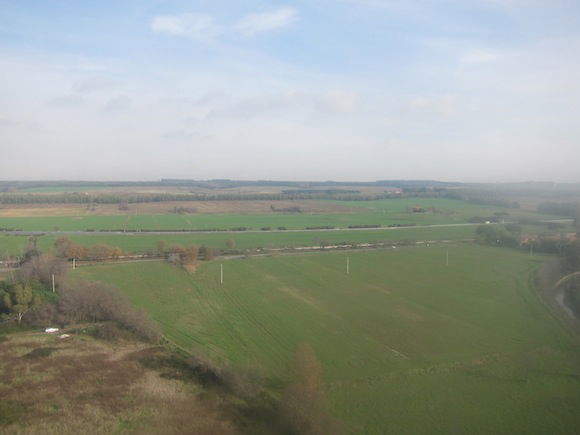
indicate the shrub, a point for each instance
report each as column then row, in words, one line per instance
column 96, row 302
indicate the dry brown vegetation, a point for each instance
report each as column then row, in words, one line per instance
column 80, row 385
column 303, row 404
column 202, row 207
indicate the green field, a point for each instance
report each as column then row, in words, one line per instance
column 407, row 344
column 384, row 212
column 15, row 245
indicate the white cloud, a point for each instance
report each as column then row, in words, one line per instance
column 476, row 57
column 514, row 4
column 121, row 102
column 252, row 24
column 304, row 102
column 9, row 123
column 213, row 118
column 394, row 4
column 341, row 101
column 196, row 26
column 445, row 105
column 184, row 134
column 92, row 84
column 66, row 101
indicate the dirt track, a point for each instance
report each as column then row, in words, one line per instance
column 547, row 281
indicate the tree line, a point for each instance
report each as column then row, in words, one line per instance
column 176, row 253
column 566, row 209
column 286, row 195
column 509, row 235
column 85, row 198
column 66, row 248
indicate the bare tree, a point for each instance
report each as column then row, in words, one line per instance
column 100, row 250
column 190, row 255
column 66, row 248
column 62, row 245
column 209, row 254
column 162, row 246
column 176, row 254
column 41, row 268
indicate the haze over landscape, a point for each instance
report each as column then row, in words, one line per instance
column 332, row 89
column 311, row 217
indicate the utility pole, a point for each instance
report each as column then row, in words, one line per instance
column 221, row 273
column 74, row 263
column 348, row 265
column 447, row 258
column 53, row 288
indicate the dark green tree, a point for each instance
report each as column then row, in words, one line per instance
column 17, row 299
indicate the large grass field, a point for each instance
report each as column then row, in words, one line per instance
column 407, row 344
column 384, row 212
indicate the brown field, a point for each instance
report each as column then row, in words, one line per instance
column 203, row 207
column 214, row 189
column 81, row 385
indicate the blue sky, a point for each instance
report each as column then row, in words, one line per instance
column 467, row 90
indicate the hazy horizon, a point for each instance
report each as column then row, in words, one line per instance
column 341, row 90
column 278, row 180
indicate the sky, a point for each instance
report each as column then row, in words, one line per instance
column 454, row 90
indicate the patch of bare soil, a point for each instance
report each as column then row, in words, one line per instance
column 33, row 210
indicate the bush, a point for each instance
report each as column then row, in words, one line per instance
column 496, row 235
column 571, row 254
column 95, row 302
column 109, row 331
column 514, row 228
column 40, row 352
column 573, row 295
